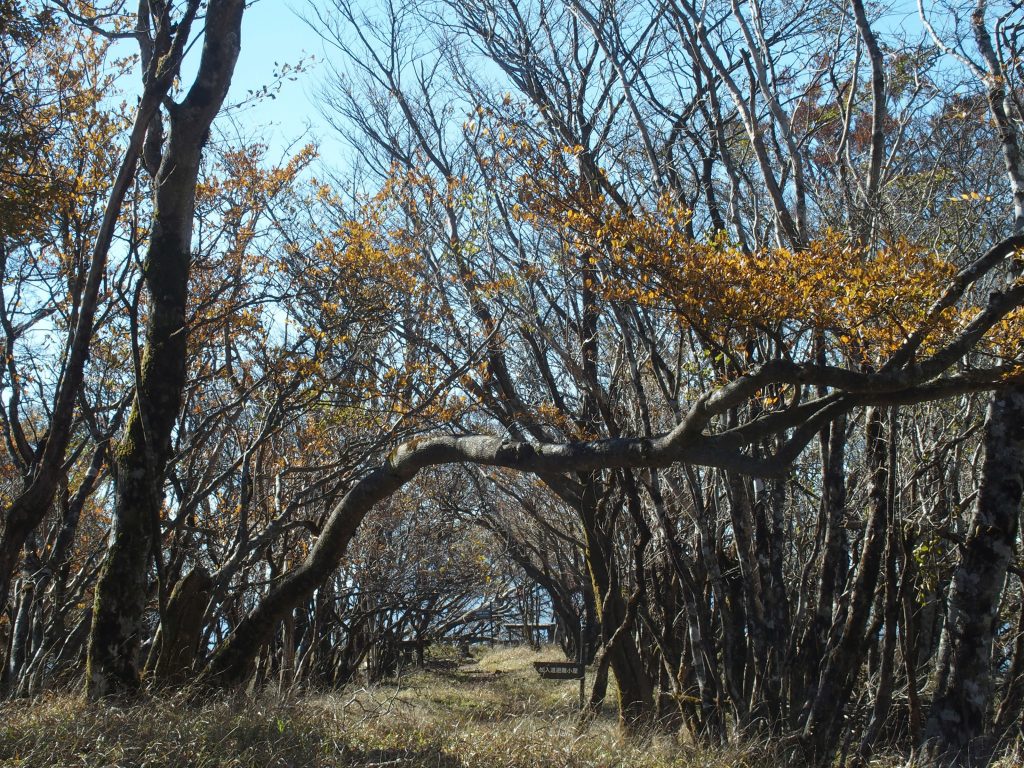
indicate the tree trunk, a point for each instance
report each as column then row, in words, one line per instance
column 825, row 715
column 958, row 730
column 142, row 455
column 632, row 683
column 174, row 651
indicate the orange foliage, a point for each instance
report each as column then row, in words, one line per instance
column 863, row 302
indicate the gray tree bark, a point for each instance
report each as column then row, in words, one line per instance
column 142, row 454
column 958, row 730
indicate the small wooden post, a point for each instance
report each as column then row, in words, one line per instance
column 583, row 666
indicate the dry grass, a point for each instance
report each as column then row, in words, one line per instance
column 493, row 714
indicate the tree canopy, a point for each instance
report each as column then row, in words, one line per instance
column 674, row 323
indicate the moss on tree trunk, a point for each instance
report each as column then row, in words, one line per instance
column 142, row 454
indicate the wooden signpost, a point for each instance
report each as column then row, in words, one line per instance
column 566, row 670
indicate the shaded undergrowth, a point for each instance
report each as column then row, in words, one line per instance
column 491, row 713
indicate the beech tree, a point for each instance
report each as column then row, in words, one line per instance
column 959, row 729
column 555, row 194
column 67, row 189
column 141, row 454
column 700, row 338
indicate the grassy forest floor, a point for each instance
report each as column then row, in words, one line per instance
column 491, row 712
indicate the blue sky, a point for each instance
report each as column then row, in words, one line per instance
column 273, row 34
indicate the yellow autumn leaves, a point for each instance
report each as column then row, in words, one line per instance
column 867, row 301
column 863, row 302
